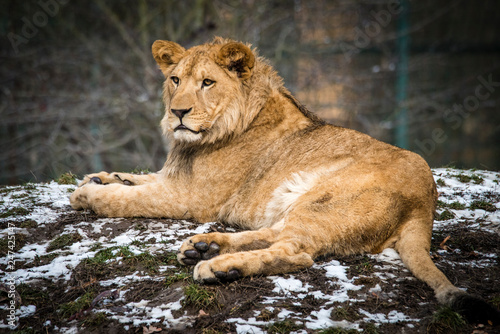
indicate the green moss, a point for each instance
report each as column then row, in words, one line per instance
column 336, row 330
column 110, row 253
column 32, row 295
column 366, row 265
column 138, row 243
column 200, row 297
column 477, row 179
column 28, row 223
column 140, row 171
column 29, row 186
column 140, row 227
column 67, row 178
column 468, row 178
column 182, row 276
column 463, row 178
column 445, row 215
column 344, row 313
column 95, row 320
column 210, row 331
column 96, row 246
column 283, row 327
column 170, row 258
column 18, row 211
column 14, row 244
column 440, row 182
column 483, row 205
column 445, row 320
column 144, row 261
column 80, row 304
column 441, row 204
column 370, row 328
column 456, row 206
column 18, row 196
column 44, row 259
column 63, row 241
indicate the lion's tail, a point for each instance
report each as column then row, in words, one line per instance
column 413, row 247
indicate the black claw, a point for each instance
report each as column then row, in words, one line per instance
column 95, row 179
column 189, row 262
column 210, row 280
column 230, row 276
column 201, row 246
column 221, row 275
column 233, row 274
column 192, row 254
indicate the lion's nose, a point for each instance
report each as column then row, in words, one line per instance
column 180, row 112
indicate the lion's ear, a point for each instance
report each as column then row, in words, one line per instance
column 237, row 57
column 166, row 54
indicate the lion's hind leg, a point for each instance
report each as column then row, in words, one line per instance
column 413, row 246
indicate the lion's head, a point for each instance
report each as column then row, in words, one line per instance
column 206, row 89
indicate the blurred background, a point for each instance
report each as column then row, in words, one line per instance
column 80, row 90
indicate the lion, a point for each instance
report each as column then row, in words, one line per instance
column 245, row 152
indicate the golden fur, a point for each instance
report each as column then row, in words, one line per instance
column 245, row 152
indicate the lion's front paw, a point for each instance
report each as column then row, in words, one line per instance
column 79, row 199
column 206, row 272
column 106, row 178
column 193, row 251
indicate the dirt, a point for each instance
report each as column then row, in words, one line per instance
column 118, row 295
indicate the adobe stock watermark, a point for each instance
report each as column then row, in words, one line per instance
column 32, row 25
column 363, row 37
column 10, row 282
column 456, row 115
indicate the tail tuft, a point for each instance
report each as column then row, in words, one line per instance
column 475, row 310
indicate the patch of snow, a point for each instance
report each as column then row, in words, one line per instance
column 285, row 285
column 248, row 329
column 388, row 255
column 393, row 317
column 71, row 330
column 323, row 321
column 335, row 269
column 453, row 190
column 375, row 289
column 285, row 314
column 26, row 311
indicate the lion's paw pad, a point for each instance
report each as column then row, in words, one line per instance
column 207, row 251
column 202, row 251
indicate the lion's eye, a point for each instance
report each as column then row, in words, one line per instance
column 207, row 82
column 175, row 80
